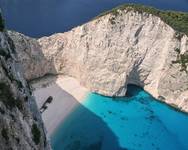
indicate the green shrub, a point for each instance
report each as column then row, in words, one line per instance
column 179, row 35
column 7, row 98
column 4, row 133
column 182, row 59
column 36, row 134
column 177, row 50
column 177, row 20
column 2, row 24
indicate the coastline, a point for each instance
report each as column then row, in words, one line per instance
column 67, row 93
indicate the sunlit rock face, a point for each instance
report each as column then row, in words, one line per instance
column 21, row 126
column 110, row 52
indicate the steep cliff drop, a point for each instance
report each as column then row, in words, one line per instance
column 21, row 126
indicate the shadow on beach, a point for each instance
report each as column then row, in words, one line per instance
column 83, row 130
column 71, row 125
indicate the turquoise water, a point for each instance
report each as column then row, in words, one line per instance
column 137, row 122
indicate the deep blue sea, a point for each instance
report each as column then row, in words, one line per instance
column 137, row 122
column 37, row 18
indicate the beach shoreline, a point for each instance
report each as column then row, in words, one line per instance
column 67, row 93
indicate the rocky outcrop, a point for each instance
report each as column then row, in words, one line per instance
column 21, row 126
column 115, row 50
column 34, row 63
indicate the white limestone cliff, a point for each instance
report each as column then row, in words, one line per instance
column 110, row 52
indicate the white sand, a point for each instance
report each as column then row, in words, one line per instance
column 67, row 93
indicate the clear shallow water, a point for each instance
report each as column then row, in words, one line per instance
column 135, row 123
column 37, row 18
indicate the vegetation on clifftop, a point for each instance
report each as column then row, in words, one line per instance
column 177, row 20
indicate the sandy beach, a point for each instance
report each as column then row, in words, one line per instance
column 67, row 93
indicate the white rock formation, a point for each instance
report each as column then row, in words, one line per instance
column 110, row 52
column 34, row 63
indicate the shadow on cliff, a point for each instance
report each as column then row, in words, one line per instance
column 34, row 63
column 134, row 76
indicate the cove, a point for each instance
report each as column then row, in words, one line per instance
column 136, row 122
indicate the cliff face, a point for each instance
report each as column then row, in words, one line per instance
column 21, row 126
column 30, row 55
column 115, row 50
